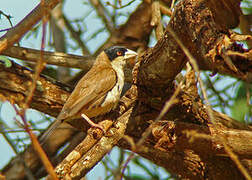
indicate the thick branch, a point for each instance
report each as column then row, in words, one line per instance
column 133, row 36
column 203, row 147
column 55, row 58
column 16, row 33
column 15, row 81
column 155, row 71
column 135, row 33
column 164, row 139
column 195, row 25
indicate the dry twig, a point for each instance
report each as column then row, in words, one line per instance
column 208, row 106
column 16, row 33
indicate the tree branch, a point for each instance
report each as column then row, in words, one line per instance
column 54, row 58
column 17, row 32
column 153, row 76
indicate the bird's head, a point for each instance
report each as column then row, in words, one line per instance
column 119, row 54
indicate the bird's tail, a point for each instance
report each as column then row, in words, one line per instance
column 49, row 131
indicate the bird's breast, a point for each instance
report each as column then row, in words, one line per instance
column 114, row 94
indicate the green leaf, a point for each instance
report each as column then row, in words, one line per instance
column 240, row 109
column 6, row 61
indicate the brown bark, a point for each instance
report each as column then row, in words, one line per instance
column 132, row 38
column 55, row 58
column 15, row 34
column 173, row 143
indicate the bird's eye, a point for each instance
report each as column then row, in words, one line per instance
column 119, row 53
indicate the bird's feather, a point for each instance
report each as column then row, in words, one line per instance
column 44, row 137
column 88, row 91
column 91, row 88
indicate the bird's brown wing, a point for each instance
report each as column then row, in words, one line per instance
column 90, row 88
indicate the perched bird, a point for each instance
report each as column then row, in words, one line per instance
column 98, row 91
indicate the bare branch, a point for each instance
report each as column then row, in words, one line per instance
column 76, row 36
column 101, row 11
column 156, row 19
column 55, row 58
column 16, row 33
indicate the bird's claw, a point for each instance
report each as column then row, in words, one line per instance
column 92, row 124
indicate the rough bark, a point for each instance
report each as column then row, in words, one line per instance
column 173, row 143
column 16, row 33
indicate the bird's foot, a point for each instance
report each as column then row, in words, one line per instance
column 92, row 124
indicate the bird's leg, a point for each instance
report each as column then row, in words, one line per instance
column 92, row 124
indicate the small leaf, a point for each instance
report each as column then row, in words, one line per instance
column 6, row 61
column 240, row 109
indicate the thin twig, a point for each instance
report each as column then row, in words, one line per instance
column 35, row 143
column 217, row 93
column 13, row 147
column 7, row 138
column 101, row 11
column 7, row 29
column 172, row 4
column 8, row 17
column 164, row 10
column 229, row 151
column 120, row 5
column 193, row 61
column 16, row 33
column 147, row 132
column 196, row 68
column 76, row 36
column 126, row 163
column 114, row 14
column 39, row 68
column 156, row 20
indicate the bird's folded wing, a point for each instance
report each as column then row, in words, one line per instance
column 90, row 88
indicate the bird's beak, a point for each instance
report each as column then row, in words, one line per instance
column 130, row 54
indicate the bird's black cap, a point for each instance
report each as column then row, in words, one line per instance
column 115, row 51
